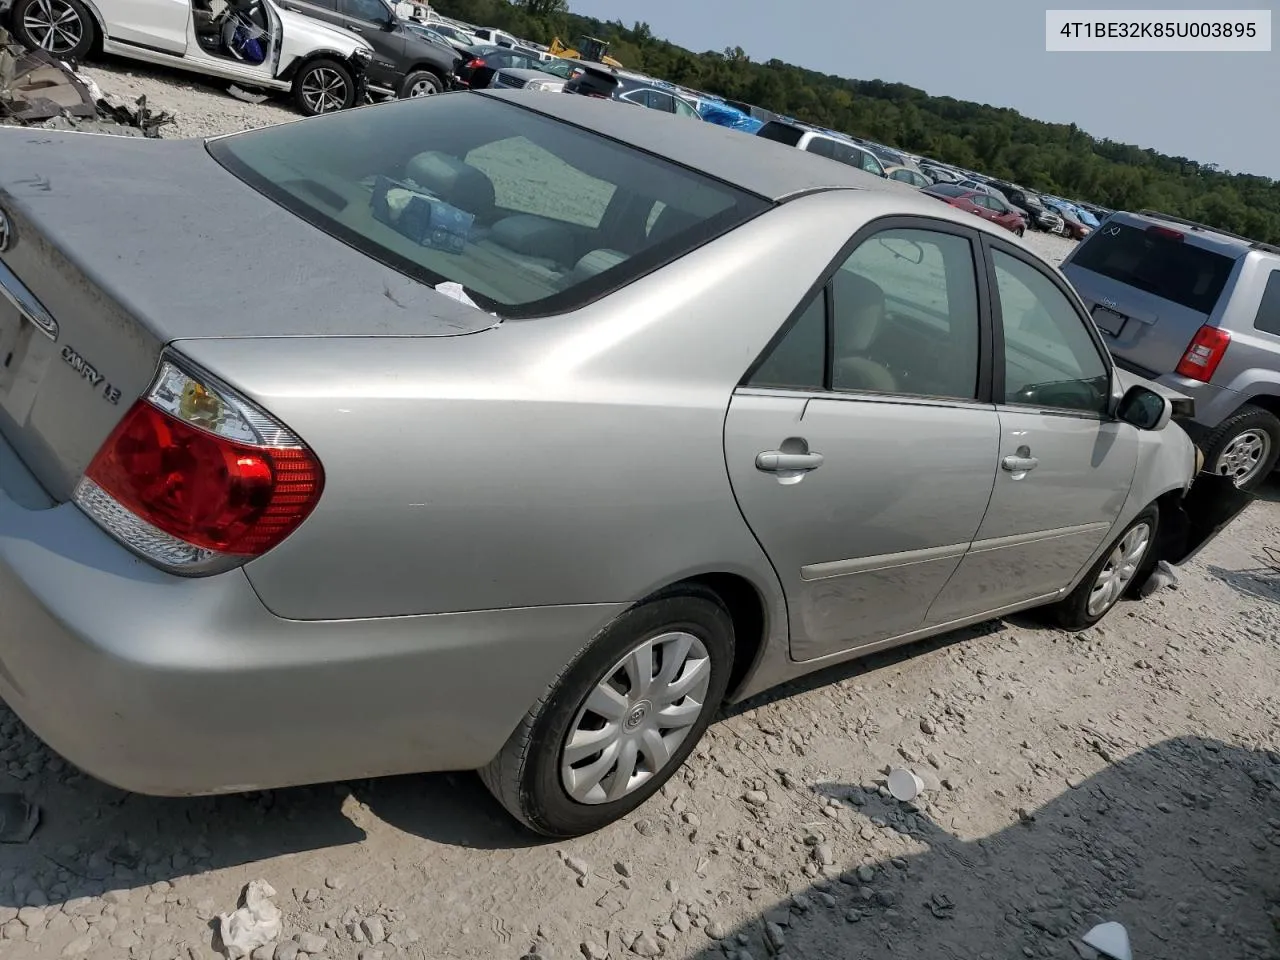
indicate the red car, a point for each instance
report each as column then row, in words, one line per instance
column 982, row 204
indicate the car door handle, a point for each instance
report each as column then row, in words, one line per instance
column 1019, row 464
column 775, row 461
column 354, row 29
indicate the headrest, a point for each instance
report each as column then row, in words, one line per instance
column 860, row 307
column 452, row 181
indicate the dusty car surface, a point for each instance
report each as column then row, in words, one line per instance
column 520, row 433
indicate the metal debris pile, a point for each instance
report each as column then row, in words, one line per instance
column 38, row 90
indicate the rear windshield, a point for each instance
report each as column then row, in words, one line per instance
column 781, row 132
column 530, row 215
column 1168, row 268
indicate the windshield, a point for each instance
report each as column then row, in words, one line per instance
column 529, row 214
column 1173, row 269
column 559, row 68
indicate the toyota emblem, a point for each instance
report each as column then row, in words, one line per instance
column 6, row 232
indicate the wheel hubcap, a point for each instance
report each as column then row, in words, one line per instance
column 423, row 88
column 53, row 25
column 324, row 90
column 635, row 718
column 1243, row 457
column 1119, row 570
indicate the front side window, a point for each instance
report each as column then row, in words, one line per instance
column 1050, row 358
column 685, row 109
column 371, row 11
column 904, row 320
column 505, row 201
column 872, row 165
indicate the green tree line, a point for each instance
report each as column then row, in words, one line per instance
column 1053, row 158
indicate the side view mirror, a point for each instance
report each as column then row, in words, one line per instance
column 1144, row 409
column 391, row 23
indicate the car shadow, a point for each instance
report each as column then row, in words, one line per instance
column 1179, row 842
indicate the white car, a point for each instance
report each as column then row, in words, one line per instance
column 255, row 43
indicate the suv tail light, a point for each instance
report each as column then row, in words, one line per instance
column 1167, row 232
column 197, row 479
column 475, row 64
column 1204, row 353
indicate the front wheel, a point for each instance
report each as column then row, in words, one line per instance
column 323, row 86
column 620, row 720
column 1020, row 231
column 1245, row 447
column 1118, row 572
column 420, row 83
column 64, row 28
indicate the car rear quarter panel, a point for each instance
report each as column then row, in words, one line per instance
column 563, row 460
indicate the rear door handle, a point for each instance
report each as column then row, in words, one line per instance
column 1019, row 464
column 354, row 29
column 775, row 461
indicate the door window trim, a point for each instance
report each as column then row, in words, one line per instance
column 991, row 244
column 987, row 327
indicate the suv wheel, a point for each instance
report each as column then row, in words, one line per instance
column 64, row 28
column 323, row 86
column 1245, row 446
column 420, row 83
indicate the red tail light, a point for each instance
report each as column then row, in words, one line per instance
column 197, row 479
column 1204, row 353
column 475, row 64
column 1166, row 232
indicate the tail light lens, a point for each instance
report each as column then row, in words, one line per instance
column 197, row 479
column 1205, row 352
column 475, row 64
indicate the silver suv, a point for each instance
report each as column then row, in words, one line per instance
column 1197, row 309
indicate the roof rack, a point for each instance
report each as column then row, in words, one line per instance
column 1195, row 225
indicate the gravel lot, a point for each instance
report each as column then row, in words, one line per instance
column 1130, row 773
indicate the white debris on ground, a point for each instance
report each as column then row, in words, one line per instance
column 1129, row 773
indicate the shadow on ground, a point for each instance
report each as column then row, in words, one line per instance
column 1179, row 842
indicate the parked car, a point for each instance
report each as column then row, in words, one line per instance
column 405, row 62
column 1038, row 214
column 1198, row 309
column 823, row 144
column 373, row 527
column 435, row 36
column 908, row 176
column 604, row 83
column 939, row 173
column 455, row 34
column 259, row 44
column 477, row 67
column 979, row 203
column 888, row 156
column 548, row 76
column 1072, row 227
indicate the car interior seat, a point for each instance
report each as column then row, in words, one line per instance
column 460, row 184
column 859, row 318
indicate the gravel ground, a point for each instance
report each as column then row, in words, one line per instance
column 1131, row 772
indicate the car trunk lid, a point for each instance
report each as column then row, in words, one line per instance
column 1150, row 289
column 117, row 246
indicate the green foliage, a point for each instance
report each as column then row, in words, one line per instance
column 1051, row 157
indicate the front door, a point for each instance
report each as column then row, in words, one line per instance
column 369, row 19
column 861, row 447
column 1065, row 465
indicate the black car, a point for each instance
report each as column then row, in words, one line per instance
column 480, row 63
column 406, row 63
column 607, row 84
column 1038, row 214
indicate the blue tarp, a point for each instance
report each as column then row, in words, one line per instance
column 727, row 116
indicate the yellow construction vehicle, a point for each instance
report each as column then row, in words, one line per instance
column 589, row 48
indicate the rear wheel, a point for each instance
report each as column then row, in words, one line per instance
column 1118, row 572
column 323, row 86
column 65, row 28
column 420, row 83
column 1020, row 231
column 1245, row 447
column 620, row 720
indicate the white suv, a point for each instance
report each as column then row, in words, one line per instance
column 255, row 43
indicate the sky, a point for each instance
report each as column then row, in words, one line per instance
column 1221, row 108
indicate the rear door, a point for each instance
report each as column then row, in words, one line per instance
column 862, row 445
column 154, row 24
column 368, row 18
column 1065, row 465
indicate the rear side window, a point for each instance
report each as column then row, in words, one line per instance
column 1173, row 269
column 530, row 215
column 1268, row 319
column 780, row 133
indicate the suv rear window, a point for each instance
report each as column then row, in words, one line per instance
column 781, row 132
column 1168, row 268
column 529, row 214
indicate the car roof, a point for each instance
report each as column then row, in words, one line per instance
column 757, row 165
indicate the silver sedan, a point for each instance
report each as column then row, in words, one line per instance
column 521, row 432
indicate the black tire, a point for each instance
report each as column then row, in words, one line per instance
column 423, row 80
column 1020, row 231
column 1072, row 612
column 525, row 777
column 1245, row 421
column 76, row 32
column 323, row 86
